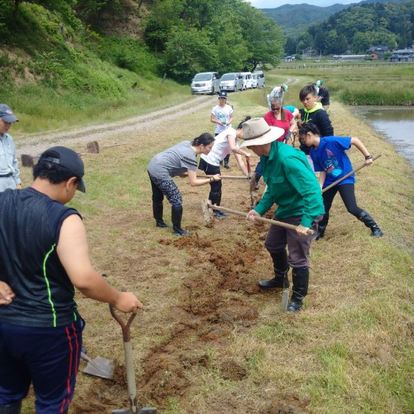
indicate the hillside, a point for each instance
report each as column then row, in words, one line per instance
column 296, row 18
column 68, row 62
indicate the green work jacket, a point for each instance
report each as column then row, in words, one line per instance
column 291, row 184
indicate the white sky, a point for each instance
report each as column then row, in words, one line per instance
column 271, row 4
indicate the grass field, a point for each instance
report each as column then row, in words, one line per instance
column 368, row 84
column 208, row 341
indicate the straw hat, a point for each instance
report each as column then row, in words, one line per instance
column 256, row 131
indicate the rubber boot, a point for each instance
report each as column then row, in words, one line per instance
column 13, row 408
column 257, row 178
column 157, row 210
column 322, row 227
column 370, row 223
column 281, row 269
column 300, row 278
column 226, row 161
column 176, row 216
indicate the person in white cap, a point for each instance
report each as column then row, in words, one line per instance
column 222, row 116
column 293, row 187
column 9, row 167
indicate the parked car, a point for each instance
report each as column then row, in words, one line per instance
column 205, row 82
column 231, row 82
column 259, row 79
column 246, row 79
column 254, row 80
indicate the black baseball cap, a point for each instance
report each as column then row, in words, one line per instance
column 222, row 94
column 68, row 160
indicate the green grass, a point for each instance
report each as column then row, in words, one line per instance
column 368, row 84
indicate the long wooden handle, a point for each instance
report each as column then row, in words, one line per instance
column 130, row 369
column 232, row 177
column 348, row 174
column 258, row 218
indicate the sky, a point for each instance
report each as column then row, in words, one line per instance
column 271, row 4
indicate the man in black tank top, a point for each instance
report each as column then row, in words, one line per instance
column 43, row 257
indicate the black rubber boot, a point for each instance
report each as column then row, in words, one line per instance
column 14, row 408
column 226, row 161
column 157, row 210
column 322, row 227
column 370, row 223
column 176, row 216
column 215, row 197
column 320, row 232
column 300, row 278
column 257, row 178
column 281, row 269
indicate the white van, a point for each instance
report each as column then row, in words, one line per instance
column 247, row 80
column 230, row 82
column 205, row 82
column 259, row 79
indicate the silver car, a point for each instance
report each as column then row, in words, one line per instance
column 231, row 82
column 205, row 82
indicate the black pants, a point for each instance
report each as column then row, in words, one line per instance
column 347, row 193
column 215, row 186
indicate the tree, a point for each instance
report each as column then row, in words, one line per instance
column 187, row 52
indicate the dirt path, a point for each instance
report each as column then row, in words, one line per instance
column 114, row 132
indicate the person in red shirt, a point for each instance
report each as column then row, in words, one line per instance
column 280, row 117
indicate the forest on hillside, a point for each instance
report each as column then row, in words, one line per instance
column 172, row 38
column 359, row 27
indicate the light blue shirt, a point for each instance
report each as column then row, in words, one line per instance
column 8, row 163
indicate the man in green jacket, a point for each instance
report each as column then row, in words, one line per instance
column 293, row 187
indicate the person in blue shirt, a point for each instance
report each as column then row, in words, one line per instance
column 332, row 163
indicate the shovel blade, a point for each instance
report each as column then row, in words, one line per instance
column 145, row 410
column 285, row 300
column 100, row 367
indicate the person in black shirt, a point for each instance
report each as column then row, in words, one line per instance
column 323, row 94
column 313, row 112
column 43, row 256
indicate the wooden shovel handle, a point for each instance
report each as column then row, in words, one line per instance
column 348, row 174
column 125, row 326
column 258, row 218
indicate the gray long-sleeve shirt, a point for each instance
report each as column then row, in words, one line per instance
column 8, row 163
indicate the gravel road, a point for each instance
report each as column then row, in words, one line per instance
column 36, row 144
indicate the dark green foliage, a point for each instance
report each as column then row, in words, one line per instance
column 226, row 35
column 128, row 54
column 295, row 19
column 361, row 26
column 181, row 37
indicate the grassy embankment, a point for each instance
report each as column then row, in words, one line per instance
column 58, row 74
column 349, row 351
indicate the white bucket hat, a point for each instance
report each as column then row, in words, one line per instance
column 256, row 131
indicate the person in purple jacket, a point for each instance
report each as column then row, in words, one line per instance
column 332, row 163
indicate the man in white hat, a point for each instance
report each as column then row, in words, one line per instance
column 293, row 187
column 9, row 168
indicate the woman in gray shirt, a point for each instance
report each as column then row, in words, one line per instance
column 177, row 160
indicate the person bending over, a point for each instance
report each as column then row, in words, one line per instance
column 176, row 161
column 331, row 161
column 225, row 143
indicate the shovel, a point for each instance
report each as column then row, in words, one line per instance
column 98, row 367
column 129, row 364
